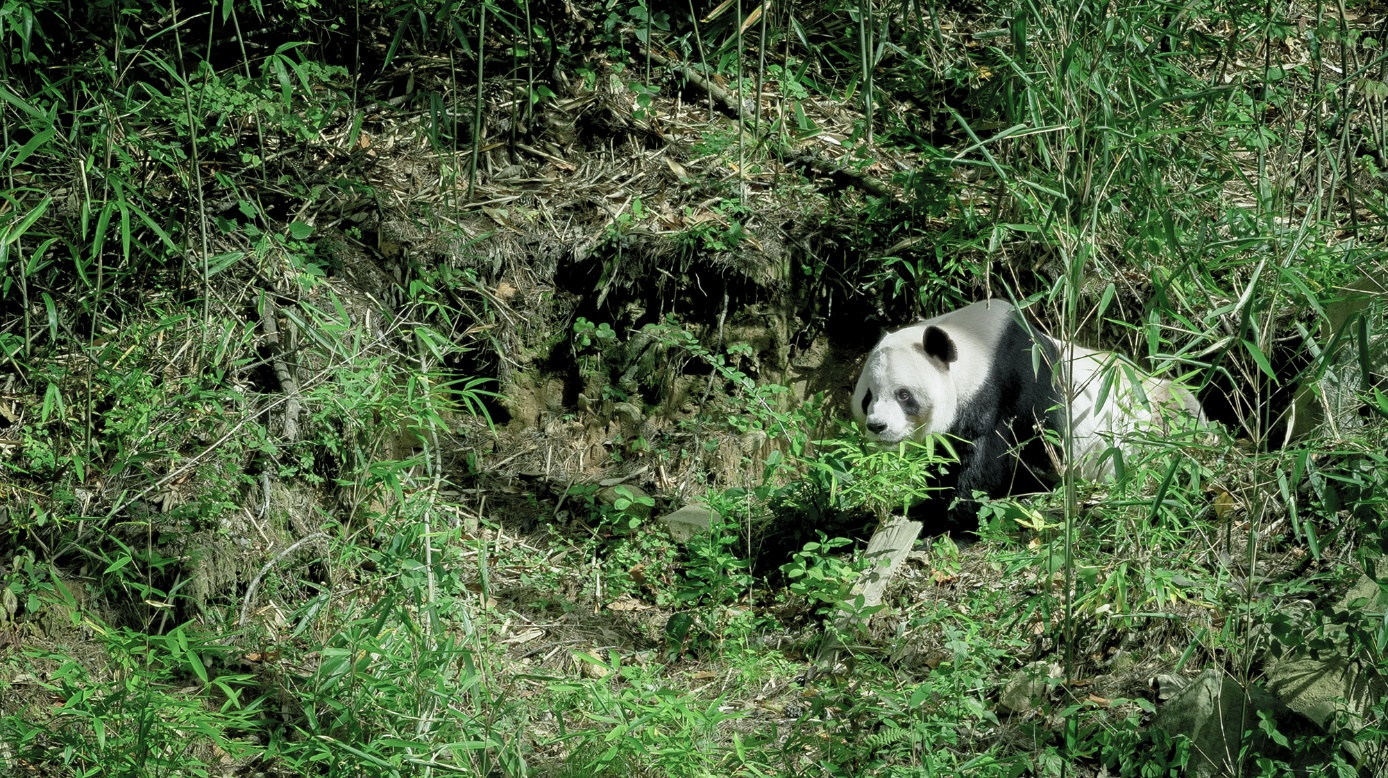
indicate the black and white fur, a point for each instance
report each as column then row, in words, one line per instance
column 980, row 375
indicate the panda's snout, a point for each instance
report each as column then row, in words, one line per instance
column 877, row 427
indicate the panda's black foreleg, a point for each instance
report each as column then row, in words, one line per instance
column 987, row 468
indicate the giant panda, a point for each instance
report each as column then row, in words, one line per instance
column 982, row 375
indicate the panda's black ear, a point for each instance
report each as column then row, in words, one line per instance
column 939, row 345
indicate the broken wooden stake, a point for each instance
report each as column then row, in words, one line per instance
column 887, row 549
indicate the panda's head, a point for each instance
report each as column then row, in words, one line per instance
column 908, row 387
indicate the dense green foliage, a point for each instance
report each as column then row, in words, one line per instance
column 256, row 516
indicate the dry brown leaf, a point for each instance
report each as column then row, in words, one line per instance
column 1224, row 504
column 525, row 636
column 677, row 169
column 500, row 216
column 627, row 603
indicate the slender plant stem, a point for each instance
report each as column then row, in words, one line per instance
column 1347, row 152
column 529, row 64
column 255, row 116
column 356, row 52
column 451, row 180
column 741, row 122
column 516, row 109
column 699, row 44
column 21, row 266
column 865, row 49
column 477, row 113
column 434, row 461
column 761, row 66
column 196, row 164
column 935, row 24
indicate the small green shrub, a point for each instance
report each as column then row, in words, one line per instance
column 715, row 574
column 820, row 576
column 154, row 704
column 631, row 720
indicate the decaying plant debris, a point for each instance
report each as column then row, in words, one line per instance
column 345, row 388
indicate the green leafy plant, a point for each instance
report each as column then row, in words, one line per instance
column 883, row 480
column 129, row 717
column 820, row 576
column 588, row 335
column 715, row 573
column 642, row 724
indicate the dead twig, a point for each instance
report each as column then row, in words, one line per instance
column 841, row 174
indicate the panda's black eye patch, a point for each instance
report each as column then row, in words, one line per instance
column 908, row 403
column 867, row 400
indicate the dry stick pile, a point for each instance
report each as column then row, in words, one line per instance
column 840, row 174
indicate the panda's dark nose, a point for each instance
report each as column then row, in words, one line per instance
column 877, row 427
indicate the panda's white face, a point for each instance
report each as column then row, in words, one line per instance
column 906, row 390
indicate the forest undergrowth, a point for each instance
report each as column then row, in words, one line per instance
column 356, row 357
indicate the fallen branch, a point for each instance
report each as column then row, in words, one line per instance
column 723, row 96
column 887, row 549
column 288, row 385
column 841, row 174
column 255, row 582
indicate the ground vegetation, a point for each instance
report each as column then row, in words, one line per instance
column 446, row 388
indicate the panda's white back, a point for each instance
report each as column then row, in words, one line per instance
column 975, row 329
column 1106, row 410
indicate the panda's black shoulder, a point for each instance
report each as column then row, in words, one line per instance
column 1022, row 365
column 1016, row 382
column 1016, row 353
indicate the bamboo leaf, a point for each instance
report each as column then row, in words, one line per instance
column 195, row 662
column 52, row 401
column 124, row 208
column 1260, row 358
column 120, row 563
column 103, row 223
column 221, row 262
column 718, row 11
column 1107, row 298
column 16, row 231
column 52, row 309
column 34, row 143
column 155, row 228
column 13, row 99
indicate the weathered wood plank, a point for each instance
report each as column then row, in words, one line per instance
column 888, row 547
